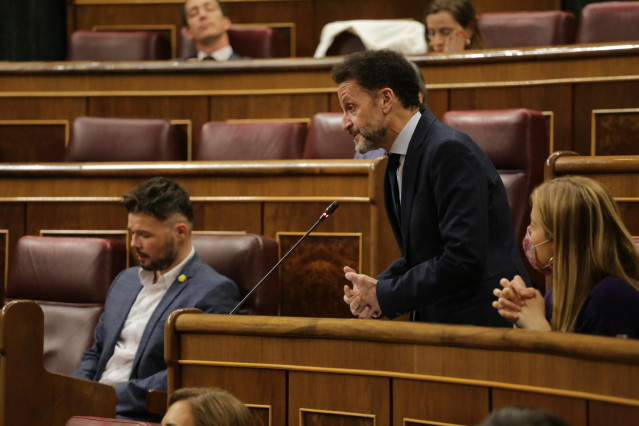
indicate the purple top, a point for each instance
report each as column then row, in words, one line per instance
column 611, row 309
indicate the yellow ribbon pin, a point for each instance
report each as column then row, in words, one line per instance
column 182, row 278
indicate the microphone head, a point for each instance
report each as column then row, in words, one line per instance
column 330, row 209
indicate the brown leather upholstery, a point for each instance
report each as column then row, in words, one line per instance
column 345, row 43
column 222, row 141
column 326, row 139
column 102, row 421
column 118, row 46
column 252, row 41
column 517, row 143
column 122, row 139
column 244, row 258
column 69, row 278
column 522, row 29
column 609, row 22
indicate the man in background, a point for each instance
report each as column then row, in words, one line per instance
column 207, row 25
column 128, row 352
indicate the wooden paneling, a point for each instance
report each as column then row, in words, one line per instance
column 33, row 141
column 604, row 414
column 346, row 370
column 426, row 401
column 615, row 132
column 317, row 399
column 319, row 261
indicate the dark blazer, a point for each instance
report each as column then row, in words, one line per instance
column 456, row 235
column 203, row 288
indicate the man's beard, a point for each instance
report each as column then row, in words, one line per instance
column 169, row 254
column 369, row 140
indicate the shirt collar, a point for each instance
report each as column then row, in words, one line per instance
column 146, row 277
column 400, row 146
column 223, row 54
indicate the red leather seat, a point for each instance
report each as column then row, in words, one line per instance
column 522, row 29
column 222, row 141
column 517, row 144
column 69, row 278
column 102, row 421
column 252, row 41
column 244, row 258
column 118, row 46
column 609, row 22
column 122, row 139
column 326, row 139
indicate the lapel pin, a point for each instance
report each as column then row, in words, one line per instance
column 182, row 278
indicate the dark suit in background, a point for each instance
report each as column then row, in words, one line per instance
column 456, row 235
column 203, row 288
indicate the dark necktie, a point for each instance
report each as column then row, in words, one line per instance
column 393, row 165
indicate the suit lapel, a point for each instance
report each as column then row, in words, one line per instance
column 410, row 173
column 167, row 300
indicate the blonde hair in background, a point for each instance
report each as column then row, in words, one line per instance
column 214, row 407
column 581, row 218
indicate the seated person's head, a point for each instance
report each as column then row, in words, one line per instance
column 206, row 407
column 206, row 23
column 451, row 26
column 522, row 416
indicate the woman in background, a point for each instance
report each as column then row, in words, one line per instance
column 451, row 26
column 206, row 407
column 578, row 239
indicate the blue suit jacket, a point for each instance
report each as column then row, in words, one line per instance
column 203, row 288
column 456, row 235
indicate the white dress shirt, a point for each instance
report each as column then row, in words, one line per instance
column 223, row 54
column 400, row 146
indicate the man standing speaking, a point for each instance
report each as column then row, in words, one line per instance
column 444, row 199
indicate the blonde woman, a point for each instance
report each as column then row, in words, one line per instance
column 206, row 407
column 578, row 239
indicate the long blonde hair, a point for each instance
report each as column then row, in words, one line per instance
column 581, row 218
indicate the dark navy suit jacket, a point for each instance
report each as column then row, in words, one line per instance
column 203, row 288
column 456, row 235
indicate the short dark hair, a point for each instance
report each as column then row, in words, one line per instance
column 213, row 406
column 159, row 197
column 377, row 69
column 186, row 22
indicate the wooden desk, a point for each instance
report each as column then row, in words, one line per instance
column 620, row 174
column 278, row 199
column 31, row 395
column 309, row 371
column 575, row 86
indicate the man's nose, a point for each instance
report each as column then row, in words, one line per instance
column 346, row 123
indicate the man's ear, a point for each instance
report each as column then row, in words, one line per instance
column 387, row 99
column 188, row 33
column 181, row 231
column 226, row 22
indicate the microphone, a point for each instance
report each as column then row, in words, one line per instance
column 329, row 211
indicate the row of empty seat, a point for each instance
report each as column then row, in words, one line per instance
column 598, row 23
column 147, row 45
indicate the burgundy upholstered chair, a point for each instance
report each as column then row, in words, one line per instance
column 69, row 278
column 609, row 22
column 517, row 143
column 118, row 46
column 326, row 139
column 102, row 421
column 244, row 258
column 222, row 141
column 122, row 139
column 253, row 41
column 522, row 29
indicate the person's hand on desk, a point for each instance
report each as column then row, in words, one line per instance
column 362, row 298
column 521, row 305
